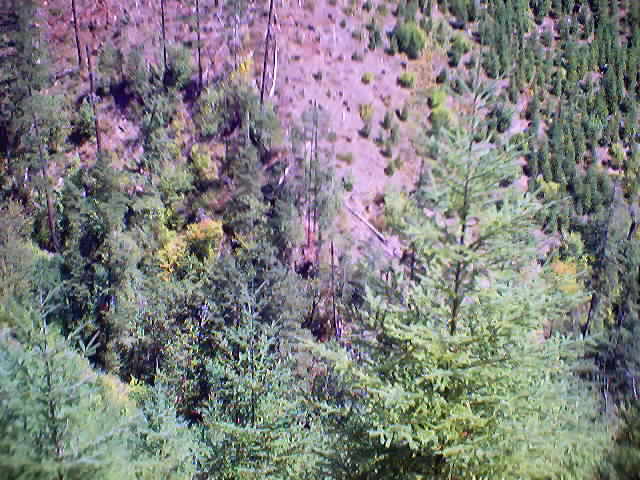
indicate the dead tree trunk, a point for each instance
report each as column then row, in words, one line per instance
column 316, row 160
column 266, row 53
column 75, row 28
column 51, row 211
column 93, row 103
column 274, row 73
column 199, row 45
column 333, row 294
column 307, row 177
column 164, row 37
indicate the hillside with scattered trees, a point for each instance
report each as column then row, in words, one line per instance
column 319, row 239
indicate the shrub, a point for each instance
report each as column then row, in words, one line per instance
column 382, row 10
column 411, row 39
column 460, row 43
column 137, row 72
column 393, row 46
column 345, row 157
column 171, row 255
column 367, row 6
column 387, row 150
column 110, row 63
column 208, row 116
column 403, row 113
column 442, row 76
column 375, row 38
column 407, row 80
column 503, row 117
column 175, row 182
column 394, row 135
column 84, row 128
column 347, row 183
column 437, row 96
column 179, row 68
column 202, row 164
column 375, row 35
column 457, row 86
column 204, row 238
column 440, row 118
column 366, row 112
column 367, row 78
column 386, row 122
column 390, row 169
column 365, row 131
column 454, row 58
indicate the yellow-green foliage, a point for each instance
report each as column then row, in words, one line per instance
column 551, row 190
column 204, row 167
column 116, row 393
column 244, row 70
column 440, row 118
column 367, row 78
column 436, row 97
column 411, row 39
column 204, row 238
column 407, row 80
column 366, row 112
column 170, row 255
column 397, row 208
column 566, row 279
column 461, row 43
column 617, row 155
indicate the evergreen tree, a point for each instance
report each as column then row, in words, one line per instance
column 256, row 423
column 449, row 381
column 56, row 421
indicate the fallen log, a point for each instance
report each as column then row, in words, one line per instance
column 376, row 232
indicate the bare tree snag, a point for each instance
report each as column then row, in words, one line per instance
column 275, row 66
column 93, row 103
column 307, row 190
column 164, row 37
column 266, row 52
column 51, row 211
column 316, row 159
column 75, row 28
column 199, row 45
column 333, row 294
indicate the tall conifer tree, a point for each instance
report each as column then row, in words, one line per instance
column 457, row 381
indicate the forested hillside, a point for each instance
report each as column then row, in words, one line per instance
column 323, row 239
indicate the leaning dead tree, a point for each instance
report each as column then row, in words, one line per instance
column 266, row 52
column 75, row 28
column 275, row 66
